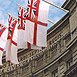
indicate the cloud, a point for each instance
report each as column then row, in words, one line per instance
column 24, row 3
column 5, row 3
column 3, row 20
column 3, row 6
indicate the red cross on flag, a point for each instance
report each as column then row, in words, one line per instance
column 22, row 14
column 11, row 47
column 3, row 39
column 36, row 24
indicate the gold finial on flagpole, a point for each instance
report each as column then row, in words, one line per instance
column 56, row 6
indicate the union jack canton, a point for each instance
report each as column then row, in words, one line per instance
column 12, row 25
column 21, row 17
column 2, row 29
column 32, row 4
column 2, row 38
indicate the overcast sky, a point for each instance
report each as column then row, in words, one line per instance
column 9, row 6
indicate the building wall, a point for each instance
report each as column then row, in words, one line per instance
column 59, row 59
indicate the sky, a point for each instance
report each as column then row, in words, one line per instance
column 9, row 6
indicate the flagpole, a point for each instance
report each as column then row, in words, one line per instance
column 51, row 21
column 56, row 6
column 21, row 6
column 12, row 16
column 26, row 9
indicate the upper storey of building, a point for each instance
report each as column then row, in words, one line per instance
column 61, row 45
column 70, row 19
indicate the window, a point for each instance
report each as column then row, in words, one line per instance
column 67, row 38
column 69, row 63
column 55, row 73
column 47, row 75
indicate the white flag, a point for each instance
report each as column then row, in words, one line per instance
column 36, row 24
column 11, row 48
column 21, row 30
column 3, row 39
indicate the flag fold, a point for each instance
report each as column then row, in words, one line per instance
column 36, row 24
column 11, row 47
column 3, row 40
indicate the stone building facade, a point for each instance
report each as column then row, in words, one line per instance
column 59, row 59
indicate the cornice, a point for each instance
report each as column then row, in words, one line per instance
column 58, row 25
column 67, row 4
